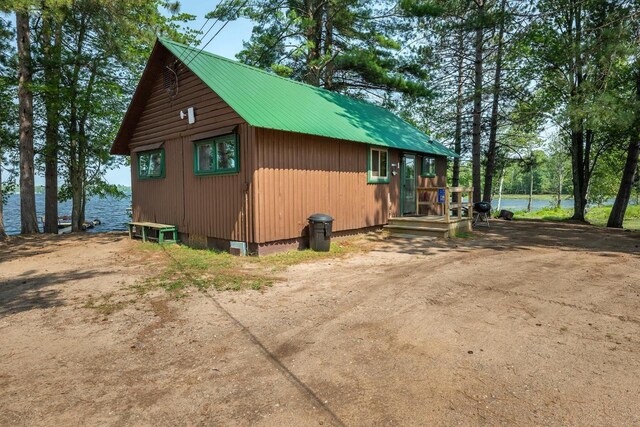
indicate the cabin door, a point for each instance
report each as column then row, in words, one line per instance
column 408, row 184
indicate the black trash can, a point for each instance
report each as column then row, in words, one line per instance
column 320, row 232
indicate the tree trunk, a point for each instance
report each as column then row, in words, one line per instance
column 313, row 35
column 79, row 190
column 579, row 153
column 75, row 177
column 28, row 218
column 559, row 199
column 577, row 169
column 455, row 179
column 51, row 69
column 477, row 104
column 82, row 161
column 493, row 132
column 530, row 188
column 637, row 185
column 328, row 46
column 500, row 190
column 3, row 234
column 616, row 217
column 76, row 203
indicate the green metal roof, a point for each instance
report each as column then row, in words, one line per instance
column 269, row 101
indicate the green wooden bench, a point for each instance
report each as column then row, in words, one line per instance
column 144, row 227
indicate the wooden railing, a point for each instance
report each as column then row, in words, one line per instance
column 444, row 198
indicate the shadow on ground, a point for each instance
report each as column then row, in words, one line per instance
column 33, row 290
column 515, row 236
column 39, row 244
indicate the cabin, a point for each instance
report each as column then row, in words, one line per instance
column 234, row 156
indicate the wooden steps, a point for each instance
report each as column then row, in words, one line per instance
column 426, row 226
column 415, row 231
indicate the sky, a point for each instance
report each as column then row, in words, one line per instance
column 227, row 43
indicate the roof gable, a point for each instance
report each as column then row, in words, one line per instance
column 268, row 101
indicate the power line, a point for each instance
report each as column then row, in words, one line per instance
column 207, row 44
column 243, row 4
column 202, row 38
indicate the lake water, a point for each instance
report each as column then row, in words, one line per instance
column 536, row 205
column 111, row 211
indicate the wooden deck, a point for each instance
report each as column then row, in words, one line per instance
column 427, row 225
column 455, row 216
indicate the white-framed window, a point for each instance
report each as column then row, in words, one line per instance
column 378, row 170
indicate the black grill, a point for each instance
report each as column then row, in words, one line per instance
column 482, row 207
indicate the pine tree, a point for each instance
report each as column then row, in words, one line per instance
column 28, row 218
column 8, row 112
column 342, row 45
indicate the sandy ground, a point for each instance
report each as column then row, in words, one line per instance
column 527, row 323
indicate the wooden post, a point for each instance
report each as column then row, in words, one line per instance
column 144, row 233
column 459, row 199
column 470, row 203
column 447, row 214
column 417, row 202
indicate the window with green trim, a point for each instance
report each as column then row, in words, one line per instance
column 217, row 156
column 378, row 166
column 428, row 166
column 151, row 164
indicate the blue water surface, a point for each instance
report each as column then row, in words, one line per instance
column 111, row 211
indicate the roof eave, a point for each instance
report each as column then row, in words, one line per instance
column 120, row 144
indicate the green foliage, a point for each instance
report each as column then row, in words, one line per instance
column 597, row 215
column 422, row 8
column 8, row 113
column 606, row 176
column 580, row 54
column 88, row 56
column 343, row 45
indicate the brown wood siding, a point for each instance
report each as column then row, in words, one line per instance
column 160, row 118
column 440, row 180
column 212, row 206
column 215, row 204
column 160, row 199
column 299, row 175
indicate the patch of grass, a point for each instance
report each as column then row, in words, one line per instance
column 104, row 304
column 598, row 215
column 282, row 260
column 463, row 235
column 181, row 267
